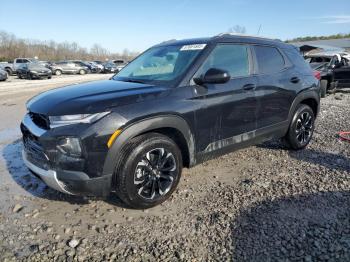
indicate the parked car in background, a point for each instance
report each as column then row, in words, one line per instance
column 3, row 75
column 20, row 61
column 178, row 104
column 33, row 71
column 8, row 67
column 68, row 67
column 334, row 69
column 47, row 64
column 120, row 64
column 92, row 68
column 100, row 67
column 110, row 67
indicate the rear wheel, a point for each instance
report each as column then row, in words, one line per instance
column 82, row 72
column 58, row 72
column 148, row 171
column 324, row 84
column 301, row 128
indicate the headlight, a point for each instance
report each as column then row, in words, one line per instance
column 34, row 72
column 56, row 121
column 69, row 146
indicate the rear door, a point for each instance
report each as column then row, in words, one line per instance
column 277, row 85
column 226, row 111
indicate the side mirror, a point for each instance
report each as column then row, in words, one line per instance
column 213, row 76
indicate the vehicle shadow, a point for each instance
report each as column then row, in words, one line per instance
column 34, row 185
column 327, row 159
column 311, row 227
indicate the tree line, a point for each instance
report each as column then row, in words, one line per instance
column 12, row 47
column 313, row 38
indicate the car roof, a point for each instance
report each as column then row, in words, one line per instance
column 229, row 38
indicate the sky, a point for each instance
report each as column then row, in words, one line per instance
column 139, row 24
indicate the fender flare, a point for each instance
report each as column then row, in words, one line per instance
column 143, row 126
column 308, row 94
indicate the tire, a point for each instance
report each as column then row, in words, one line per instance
column 82, row 72
column 324, row 85
column 9, row 71
column 139, row 183
column 19, row 76
column 58, row 72
column 301, row 128
column 332, row 88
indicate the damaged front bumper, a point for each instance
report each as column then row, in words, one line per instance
column 66, row 174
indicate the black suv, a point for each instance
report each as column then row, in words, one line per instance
column 176, row 105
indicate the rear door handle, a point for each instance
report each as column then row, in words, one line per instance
column 295, row 79
column 249, row 86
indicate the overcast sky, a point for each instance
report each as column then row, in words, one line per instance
column 138, row 24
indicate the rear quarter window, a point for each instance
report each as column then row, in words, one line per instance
column 295, row 57
column 269, row 59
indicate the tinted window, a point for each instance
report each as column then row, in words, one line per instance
column 296, row 58
column 19, row 61
column 232, row 58
column 269, row 59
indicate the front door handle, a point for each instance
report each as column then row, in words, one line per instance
column 295, row 80
column 249, row 86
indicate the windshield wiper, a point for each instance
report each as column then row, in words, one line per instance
column 132, row 81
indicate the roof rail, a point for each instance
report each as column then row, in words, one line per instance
column 245, row 35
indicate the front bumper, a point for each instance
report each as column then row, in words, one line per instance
column 41, row 75
column 77, row 176
column 48, row 176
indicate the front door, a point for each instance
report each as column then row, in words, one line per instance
column 225, row 111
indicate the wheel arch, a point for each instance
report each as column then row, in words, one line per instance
column 310, row 98
column 172, row 126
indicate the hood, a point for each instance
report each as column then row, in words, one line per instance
column 92, row 97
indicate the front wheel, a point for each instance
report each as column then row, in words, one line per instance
column 148, row 170
column 82, row 72
column 301, row 128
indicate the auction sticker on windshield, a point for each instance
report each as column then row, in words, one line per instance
column 193, row 47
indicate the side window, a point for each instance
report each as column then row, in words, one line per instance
column 269, row 59
column 19, row 61
column 230, row 57
column 295, row 57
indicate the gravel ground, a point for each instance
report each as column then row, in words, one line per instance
column 263, row 203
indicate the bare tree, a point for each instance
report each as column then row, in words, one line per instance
column 237, row 29
column 12, row 47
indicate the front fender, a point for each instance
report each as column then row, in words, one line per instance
column 146, row 125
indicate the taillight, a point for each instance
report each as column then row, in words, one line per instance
column 317, row 74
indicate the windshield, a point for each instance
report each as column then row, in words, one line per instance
column 160, row 64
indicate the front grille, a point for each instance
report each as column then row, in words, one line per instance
column 40, row 120
column 34, row 151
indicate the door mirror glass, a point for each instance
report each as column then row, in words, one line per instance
column 213, row 76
